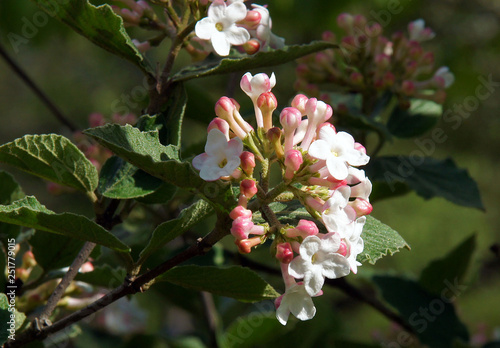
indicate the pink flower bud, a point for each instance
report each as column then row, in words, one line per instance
column 304, row 228
column 226, row 109
column 241, row 227
column 252, row 20
column 328, row 36
column 428, row 58
column 361, row 206
column 251, row 46
column 360, row 21
column 284, row 253
column 245, row 245
column 299, row 102
column 382, row 61
column 293, row 161
column 290, row 119
column 343, row 249
column 247, row 162
column 248, row 188
column 220, row 124
column 267, row 103
column 345, row 21
column 239, row 211
column 374, row 30
column 408, row 88
column 254, row 86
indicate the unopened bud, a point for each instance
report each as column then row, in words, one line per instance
column 304, row 228
column 299, row 102
column 247, row 162
column 328, row 36
column 248, row 188
column 274, row 137
column 220, row 124
column 408, row 88
column 252, row 20
column 267, row 103
column 361, row 206
column 293, row 161
column 245, row 245
column 284, row 252
column 345, row 21
column 360, row 21
column 343, row 249
column 251, row 46
column 240, row 211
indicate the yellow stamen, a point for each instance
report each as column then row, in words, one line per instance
column 219, row 26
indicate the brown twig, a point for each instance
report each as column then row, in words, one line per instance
column 43, row 97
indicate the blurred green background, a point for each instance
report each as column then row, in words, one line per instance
column 82, row 78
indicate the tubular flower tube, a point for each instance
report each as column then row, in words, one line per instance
column 317, row 112
column 267, row 103
column 293, row 161
column 226, row 109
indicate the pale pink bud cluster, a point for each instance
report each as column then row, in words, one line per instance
column 376, row 63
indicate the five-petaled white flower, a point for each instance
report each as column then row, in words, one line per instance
column 319, row 259
column 220, row 26
column 297, row 301
column 338, row 150
column 221, row 156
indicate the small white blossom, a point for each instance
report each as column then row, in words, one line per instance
column 319, row 259
column 220, row 26
column 297, row 301
column 221, row 156
column 338, row 151
column 355, row 244
column 337, row 214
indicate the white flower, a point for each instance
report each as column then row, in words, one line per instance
column 319, row 259
column 297, row 301
column 221, row 156
column 444, row 77
column 355, row 244
column 338, row 151
column 418, row 31
column 220, row 26
column 361, row 185
column 254, row 86
column 337, row 215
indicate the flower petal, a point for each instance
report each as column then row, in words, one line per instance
column 236, row 11
column 199, row 160
column 205, row 28
column 236, row 35
column 320, row 149
column 314, row 280
column 336, row 167
column 220, row 43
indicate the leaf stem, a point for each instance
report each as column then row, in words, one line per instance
column 39, row 93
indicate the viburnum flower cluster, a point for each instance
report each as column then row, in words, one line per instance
column 370, row 63
column 230, row 23
column 318, row 166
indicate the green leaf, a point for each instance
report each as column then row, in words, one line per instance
column 429, row 177
column 420, row 118
column 144, row 150
column 51, row 157
column 99, row 24
column 10, row 319
column 30, row 213
column 236, row 282
column 260, row 60
column 172, row 229
column 452, row 267
column 121, row 180
column 174, row 114
column 10, row 191
column 103, row 276
column 433, row 318
column 55, row 251
column 380, row 240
